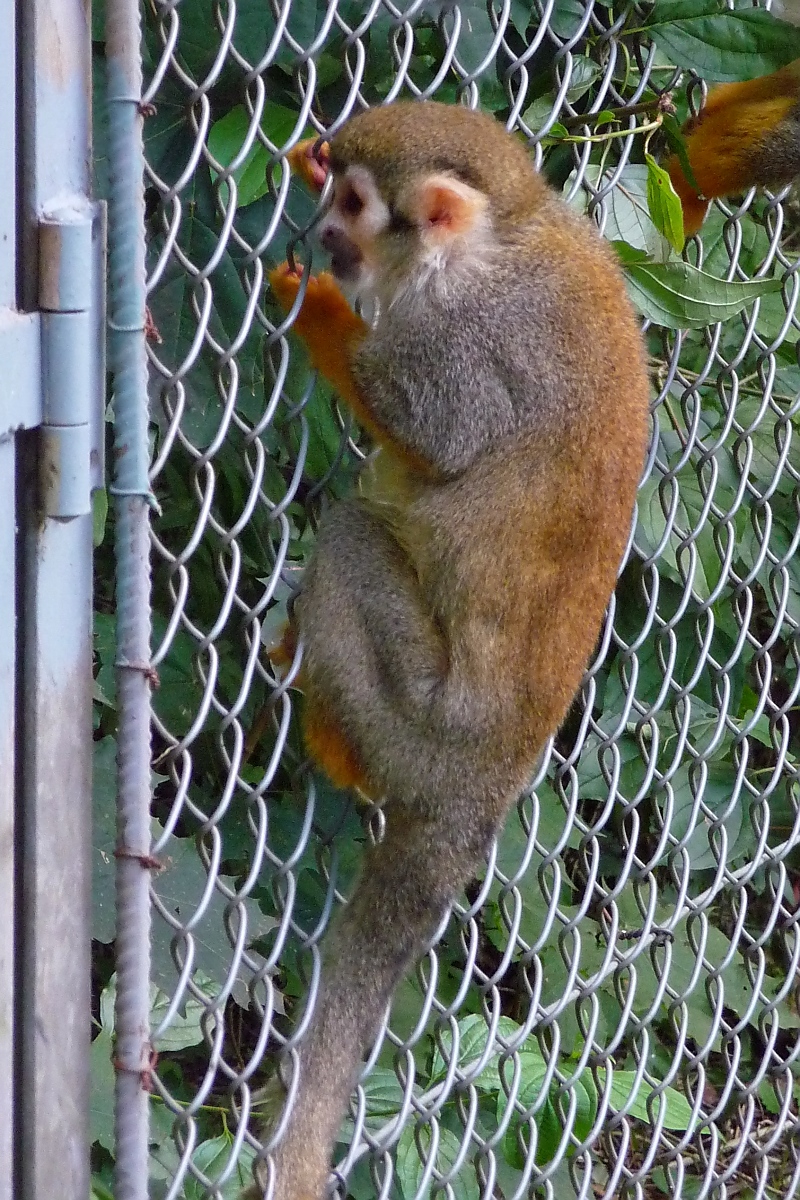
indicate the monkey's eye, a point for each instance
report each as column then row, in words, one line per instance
column 351, row 203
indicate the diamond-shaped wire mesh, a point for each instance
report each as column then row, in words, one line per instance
column 613, row 1008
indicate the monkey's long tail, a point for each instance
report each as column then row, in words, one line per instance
column 409, row 881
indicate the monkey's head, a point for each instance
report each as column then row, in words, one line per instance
column 415, row 184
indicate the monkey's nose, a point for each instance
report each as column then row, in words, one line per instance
column 345, row 255
column 331, row 238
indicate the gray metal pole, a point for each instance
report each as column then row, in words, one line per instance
column 131, row 491
column 54, row 626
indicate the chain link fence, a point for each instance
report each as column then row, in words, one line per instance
column 612, row 1010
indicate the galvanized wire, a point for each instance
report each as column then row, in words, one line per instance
column 642, row 894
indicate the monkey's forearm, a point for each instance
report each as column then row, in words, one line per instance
column 329, row 328
column 332, row 333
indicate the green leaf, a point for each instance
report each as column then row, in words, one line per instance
column 227, row 135
column 383, row 1095
column 677, row 143
column 566, row 17
column 101, row 1111
column 679, row 296
column 628, row 217
column 549, row 1124
column 664, row 204
column 184, row 1028
column 719, row 43
column 473, row 1038
column 626, row 1094
column 584, row 73
column 181, row 886
column 533, row 1069
column 476, row 34
column 411, row 1168
column 213, row 1158
column 719, row 785
column 586, row 1104
column 99, row 515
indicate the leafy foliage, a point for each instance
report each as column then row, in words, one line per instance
column 640, row 895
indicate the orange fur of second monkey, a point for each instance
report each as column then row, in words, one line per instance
column 728, row 137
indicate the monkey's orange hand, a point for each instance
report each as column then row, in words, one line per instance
column 311, row 161
column 331, row 331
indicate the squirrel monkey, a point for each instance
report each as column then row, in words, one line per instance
column 745, row 134
column 448, row 612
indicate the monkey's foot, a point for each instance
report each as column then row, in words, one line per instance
column 310, row 160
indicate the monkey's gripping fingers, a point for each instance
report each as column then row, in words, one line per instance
column 323, row 303
column 329, row 328
column 310, row 160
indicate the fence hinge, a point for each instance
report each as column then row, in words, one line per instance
column 71, row 283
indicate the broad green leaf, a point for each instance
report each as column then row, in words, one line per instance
column 664, row 204
column 101, row 1111
column 628, row 217
column 104, row 838
column 474, row 1035
column 719, row 43
column 679, row 296
column 677, row 144
column 411, row 1168
column 213, row 1158
column 624, row 1093
column 533, row 1069
column 383, row 1094
column 719, row 785
column 227, row 135
column 566, row 17
column 99, row 515
column 184, row 1028
column 475, row 36
column 183, row 885
column 584, row 72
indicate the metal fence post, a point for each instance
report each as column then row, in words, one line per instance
column 131, row 491
column 54, row 739
column 7, row 609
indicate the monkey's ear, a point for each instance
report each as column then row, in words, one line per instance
column 446, row 207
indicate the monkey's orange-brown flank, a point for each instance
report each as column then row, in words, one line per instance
column 746, row 135
column 449, row 610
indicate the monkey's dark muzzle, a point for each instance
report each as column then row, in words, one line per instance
column 346, row 257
